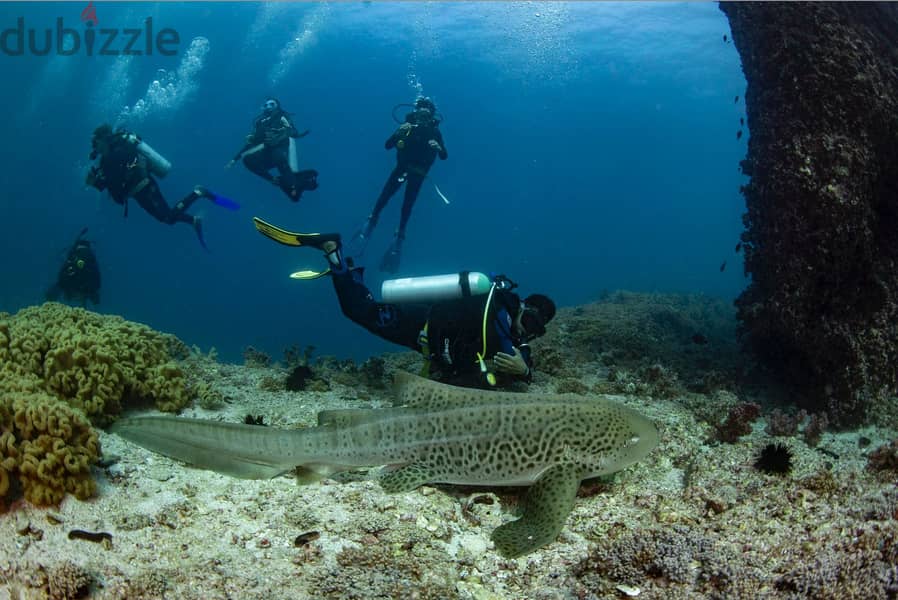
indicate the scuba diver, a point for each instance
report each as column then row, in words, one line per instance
column 126, row 168
column 272, row 145
column 418, row 142
column 79, row 276
column 473, row 337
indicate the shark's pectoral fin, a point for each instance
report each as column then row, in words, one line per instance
column 406, row 478
column 315, row 472
column 546, row 506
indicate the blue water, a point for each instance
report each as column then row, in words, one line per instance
column 591, row 147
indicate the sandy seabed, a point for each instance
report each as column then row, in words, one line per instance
column 692, row 520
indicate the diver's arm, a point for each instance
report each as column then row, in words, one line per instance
column 516, row 365
column 254, row 138
column 291, row 128
column 528, row 358
column 391, row 141
column 95, row 179
column 438, row 136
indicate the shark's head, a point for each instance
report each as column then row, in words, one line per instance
column 619, row 437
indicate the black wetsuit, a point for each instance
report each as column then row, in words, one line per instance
column 79, row 276
column 124, row 172
column 448, row 333
column 414, row 157
column 268, row 147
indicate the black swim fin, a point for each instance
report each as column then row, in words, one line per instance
column 359, row 241
column 198, row 227
column 390, row 261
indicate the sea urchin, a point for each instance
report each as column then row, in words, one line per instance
column 774, row 459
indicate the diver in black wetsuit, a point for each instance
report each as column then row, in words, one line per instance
column 449, row 333
column 418, row 142
column 126, row 172
column 268, row 147
column 79, row 276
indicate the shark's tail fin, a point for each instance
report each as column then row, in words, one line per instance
column 246, row 451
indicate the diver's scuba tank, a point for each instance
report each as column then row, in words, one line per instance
column 157, row 163
column 434, row 287
column 292, row 161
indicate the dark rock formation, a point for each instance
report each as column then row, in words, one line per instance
column 821, row 239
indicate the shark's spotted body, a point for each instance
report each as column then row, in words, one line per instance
column 436, row 434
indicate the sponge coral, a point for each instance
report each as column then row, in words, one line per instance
column 47, row 447
column 60, row 369
column 92, row 362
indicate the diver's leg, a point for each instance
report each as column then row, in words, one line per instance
column 360, row 238
column 259, row 162
column 286, row 178
column 394, row 181
column 151, row 200
column 391, row 259
column 413, row 185
column 400, row 324
column 180, row 209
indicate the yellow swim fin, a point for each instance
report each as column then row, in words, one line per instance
column 292, row 238
column 309, row 275
column 282, row 236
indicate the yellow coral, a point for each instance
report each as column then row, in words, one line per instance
column 48, row 447
column 60, row 366
column 90, row 361
column 4, row 481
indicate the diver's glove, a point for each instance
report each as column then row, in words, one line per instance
column 511, row 364
column 435, row 145
column 405, row 127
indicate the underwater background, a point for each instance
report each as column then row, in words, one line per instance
column 592, row 147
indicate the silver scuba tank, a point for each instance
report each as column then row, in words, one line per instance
column 291, row 157
column 434, row 287
column 157, row 163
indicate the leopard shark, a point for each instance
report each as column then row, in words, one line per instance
column 434, row 433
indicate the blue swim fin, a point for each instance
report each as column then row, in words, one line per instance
column 224, row 202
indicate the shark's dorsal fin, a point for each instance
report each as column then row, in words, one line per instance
column 413, row 391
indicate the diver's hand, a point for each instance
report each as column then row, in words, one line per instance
column 435, row 145
column 405, row 127
column 511, row 364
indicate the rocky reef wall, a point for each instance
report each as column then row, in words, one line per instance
column 821, row 237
